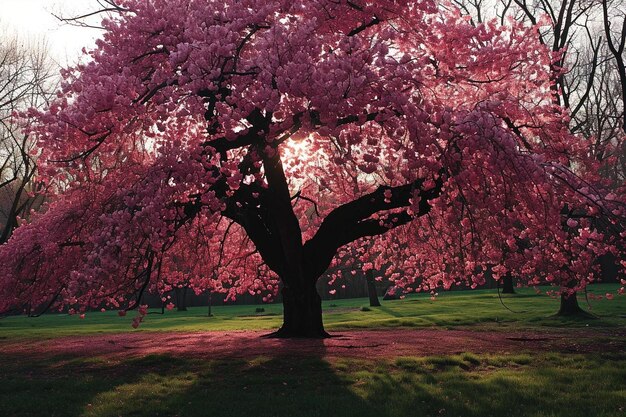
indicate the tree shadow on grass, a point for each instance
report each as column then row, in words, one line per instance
column 392, row 312
column 166, row 385
column 278, row 384
column 288, row 384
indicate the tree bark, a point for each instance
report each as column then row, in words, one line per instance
column 507, row 284
column 302, row 313
column 181, row 298
column 569, row 306
column 371, row 289
column 266, row 214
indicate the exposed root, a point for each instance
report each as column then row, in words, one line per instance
column 578, row 314
column 283, row 333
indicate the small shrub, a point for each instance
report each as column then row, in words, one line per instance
column 260, row 310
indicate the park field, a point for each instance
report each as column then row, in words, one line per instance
column 481, row 309
column 463, row 354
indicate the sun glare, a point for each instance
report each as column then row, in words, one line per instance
column 296, row 152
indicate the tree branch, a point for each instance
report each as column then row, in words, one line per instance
column 364, row 26
column 353, row 220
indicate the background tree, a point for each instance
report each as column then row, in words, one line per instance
column 586, row 82
column 441, row 146
column 616, row 42
column 26, row 81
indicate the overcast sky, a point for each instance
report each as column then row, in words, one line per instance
column 33, row 19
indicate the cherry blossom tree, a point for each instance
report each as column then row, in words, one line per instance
column 246, row 146
column 580, row 75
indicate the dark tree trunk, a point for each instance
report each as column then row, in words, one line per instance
column 181, row 299
column 569, row 306
column 302, row 313
column 507, row 284
column 371, row 289
column 265, row 211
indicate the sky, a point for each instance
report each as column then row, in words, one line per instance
column 33, row 19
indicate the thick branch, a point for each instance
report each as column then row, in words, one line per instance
column 252, row 136
column 364, row 26
column 244, row 209
column 283, row 222
column 374, row 227
column 353, row 220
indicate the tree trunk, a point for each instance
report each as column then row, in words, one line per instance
column 371, row 289
column 569, row 305
column 302, row 313
column 507, row 284
column 181, row 298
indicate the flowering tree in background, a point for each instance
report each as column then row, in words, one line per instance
column 246, row 146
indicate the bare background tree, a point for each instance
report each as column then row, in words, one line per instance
column 27, row 78
column 614, row 23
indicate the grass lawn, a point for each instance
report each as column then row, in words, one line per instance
column 521, row 384
column 511, row 383
column 479, row 309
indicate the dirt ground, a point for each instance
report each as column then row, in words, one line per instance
column 348, row 343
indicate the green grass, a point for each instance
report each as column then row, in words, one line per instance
column 520, row 383
column 464, row 385
column 479, row 309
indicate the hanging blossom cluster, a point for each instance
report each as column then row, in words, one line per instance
column 157, row 150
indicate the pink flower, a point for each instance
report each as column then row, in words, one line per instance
column 460, row 179
column 137, row 321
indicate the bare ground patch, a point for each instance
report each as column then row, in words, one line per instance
column 348, row 343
